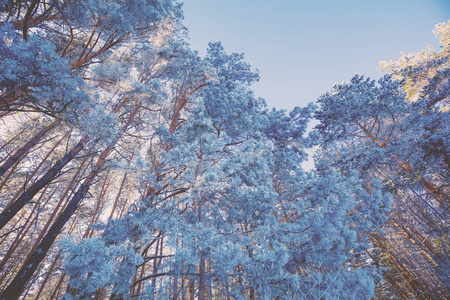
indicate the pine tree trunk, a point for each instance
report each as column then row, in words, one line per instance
column 29, row 267
column 61, row 203
column 47, row 276
column 113, row 210
column 14, row 138
column 19, row 238
column 191, row 290
column 10, row 211
column 25, row 148
column 201, row 282
column 56, row 291
column 31, row 177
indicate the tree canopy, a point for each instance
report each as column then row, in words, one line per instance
column 131, row 167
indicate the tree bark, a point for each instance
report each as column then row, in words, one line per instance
column 10, row 211
column 25, row 148
column 29, row 267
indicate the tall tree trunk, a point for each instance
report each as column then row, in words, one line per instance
column 201, row 281
column 25, row 148
column 15, row 288
column 30, row 178
column 47, row 276
column 19, row 238
column 99, row 207
column 10, row 211
column 116, row 201
column 9, row 142
column 61, row 203
column 57, row 289
column 29, row 267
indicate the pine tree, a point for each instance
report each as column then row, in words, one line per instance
column 396, row 131
column 71, row 65
column 237, row 215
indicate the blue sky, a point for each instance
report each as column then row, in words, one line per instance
column 302, row 48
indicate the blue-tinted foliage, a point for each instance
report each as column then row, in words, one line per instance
column 119, row 17
column 243, row 202
column 37, row 73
